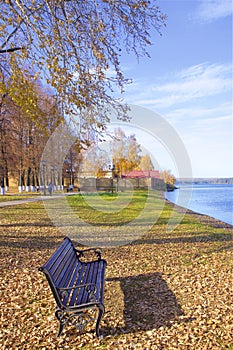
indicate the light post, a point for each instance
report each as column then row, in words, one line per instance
column 58, row 180
column 71, row 173
column 112, row 168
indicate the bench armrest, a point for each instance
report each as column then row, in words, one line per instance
column 91, row 290
column 81, row 253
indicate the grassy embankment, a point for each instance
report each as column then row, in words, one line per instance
column 165, row 290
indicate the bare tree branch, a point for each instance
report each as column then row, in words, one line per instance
column 11, row 34
column 11, row 50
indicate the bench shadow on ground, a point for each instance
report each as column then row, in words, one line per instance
column 148, row 303
column 14, row 241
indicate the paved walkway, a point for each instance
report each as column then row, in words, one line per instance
column 34, row 199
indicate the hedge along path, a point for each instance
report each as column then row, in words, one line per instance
column 164, row 291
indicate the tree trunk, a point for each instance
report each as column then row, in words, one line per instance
column 33, row 182
column 2, row 183
column 28, row 180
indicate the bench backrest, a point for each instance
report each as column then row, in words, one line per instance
column 60, row 267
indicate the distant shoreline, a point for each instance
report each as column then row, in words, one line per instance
column 203, row 180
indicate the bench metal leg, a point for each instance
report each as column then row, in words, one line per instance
column 62, row 321
column 61, row 326
column 78, row 319
column 101, row 312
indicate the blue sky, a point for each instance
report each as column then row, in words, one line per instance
column 188, row 81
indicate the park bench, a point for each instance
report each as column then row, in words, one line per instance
column 77, row 285
column 70, row 188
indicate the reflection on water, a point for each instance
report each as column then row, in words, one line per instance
column 212, row 200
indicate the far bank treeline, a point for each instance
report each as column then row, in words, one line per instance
column 29, row 114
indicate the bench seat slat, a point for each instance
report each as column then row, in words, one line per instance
column 66, row 272
column 81, row 280
column 83, row 297
column 59, row 252
column 61, row 263
column 76, row 280
column 93, row 279
column 55, row 268
column 100, row 280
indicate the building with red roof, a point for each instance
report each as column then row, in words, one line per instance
column 142, row 174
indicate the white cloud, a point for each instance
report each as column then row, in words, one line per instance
column 203, row 123
column 210, row 10
column 219, row 113
column 188, row 85
column 198, row 81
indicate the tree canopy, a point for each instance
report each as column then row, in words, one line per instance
column 125, row 151
column 76, row 46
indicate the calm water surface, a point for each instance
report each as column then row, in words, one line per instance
column 212, row 200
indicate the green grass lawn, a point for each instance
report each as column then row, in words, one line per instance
column 13, row 197
column 166, row 289
column 105, row 208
